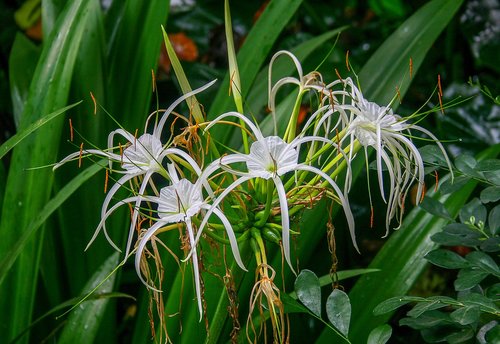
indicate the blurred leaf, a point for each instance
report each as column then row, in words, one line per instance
column 84, row 320
column 484, row 332
column 291, row 305
column 380, row 335
column 446, row 259
column 309, row 291
column 490, row 194
column 469, row 278
column 338, row 310
column 490, row 245
column 22, row 63
column 462, row 336
column 466, row 315
column 435, row 207
column 473, row 209
column 19, row 136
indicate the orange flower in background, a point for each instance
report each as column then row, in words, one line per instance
column 184, row 47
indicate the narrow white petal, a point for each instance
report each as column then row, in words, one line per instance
column 285, row 220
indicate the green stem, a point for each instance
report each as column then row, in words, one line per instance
column 269, row 202
column 292, row 125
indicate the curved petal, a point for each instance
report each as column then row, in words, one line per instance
column 285, row 220
column 231, row 236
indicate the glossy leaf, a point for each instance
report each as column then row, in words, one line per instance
column 309, row 291
column 494, row 220
column 435, row 207
column 85, row 320
column 457, row 234
column 394, row 303
column 446, row 259
column 484, row 262
column 473, row 210
column 18, row 137
column 469, row 278
column 338, row 310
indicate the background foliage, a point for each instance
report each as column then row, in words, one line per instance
column 109, row 48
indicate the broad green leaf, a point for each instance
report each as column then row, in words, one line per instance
column 9, row 258
column 380, row 335
column 490, row 194
column 338, row 310
column 466, row 315
column 484, row 262
column 469, row 278
column 435, row 207
column 462, row 336
column 446, row 259
column 309, row 291
column 490, row 244
column 490, row 169
column 18, row 137
column 394, row 303
column 85, row 319
column 473, row 210
column 432, row 155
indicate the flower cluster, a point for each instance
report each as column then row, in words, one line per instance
column 254, row 197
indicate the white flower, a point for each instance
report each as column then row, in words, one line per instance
column 142, row 156
column 270, row 158
column 179, row 202
column 389, row 134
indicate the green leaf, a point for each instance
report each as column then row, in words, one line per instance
column 431, row 319
column 252, row 55
column 462, row 336
column 338, row 310
column 28, row 192
column 446, row 259
column 490, row 169
column 484, row 262
column 490, row 244
column 309, row 291
column 490, row 194
column 14, row 140
column 10, row 257
column 450, row 186
column 425, row 306
column 466, row 315
column 394, row 303
column 435, row 207
column 432, row 155
column 23, row 58
column 466, row 164
column 475, row 299
column 84, row 320
column 457, row 234
column 380, row 335
column 494, row 220
column 473, row 209
column 469, row 278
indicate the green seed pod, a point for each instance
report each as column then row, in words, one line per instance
column 271, row 234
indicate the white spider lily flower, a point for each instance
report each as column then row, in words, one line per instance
column 178, row 202
column 389, row 134
column 142, row 156
column 270, row 158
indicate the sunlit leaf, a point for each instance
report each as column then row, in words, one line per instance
column 338, row 310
